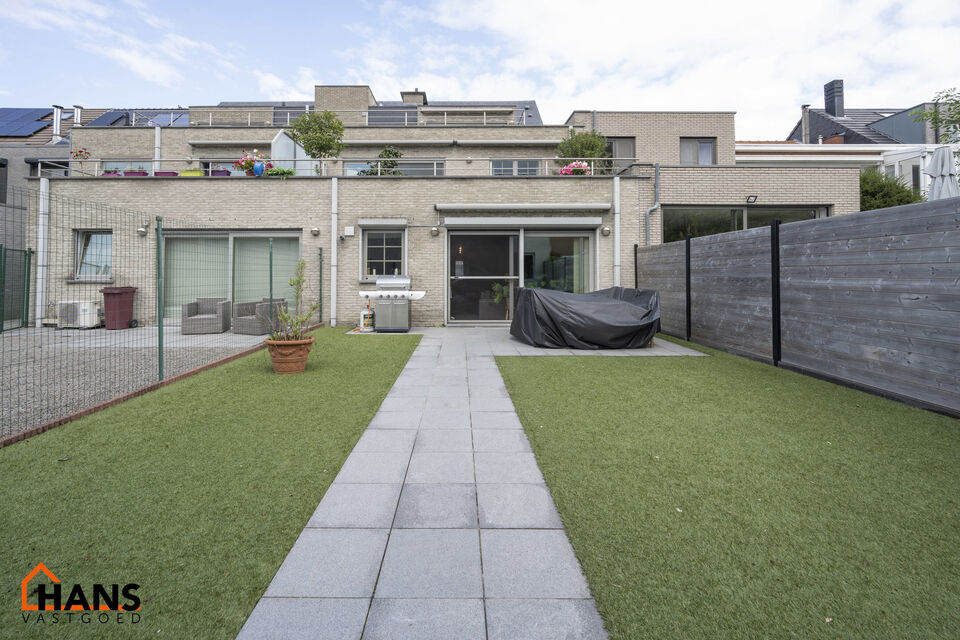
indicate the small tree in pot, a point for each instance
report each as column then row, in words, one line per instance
column 289, row 343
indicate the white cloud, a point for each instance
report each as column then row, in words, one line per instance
column 272, row 87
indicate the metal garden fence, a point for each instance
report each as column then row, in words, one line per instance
column 102, row 301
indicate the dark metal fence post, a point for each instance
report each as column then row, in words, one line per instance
column 689, row 315
column 270, row 243
column 159, row 298
column 3, row 283
column 775, row 288
column 320, row 286
column 25, row 314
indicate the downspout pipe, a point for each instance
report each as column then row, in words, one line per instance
column 656, row 203
column 334, row 240
column 616, row 231
column 43, row 222
column 156, row 149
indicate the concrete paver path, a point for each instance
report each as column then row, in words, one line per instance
column 439, row 524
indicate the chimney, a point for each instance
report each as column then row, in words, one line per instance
column 57, row 114
column 414, row 97
column 805, row 124
column 833, row 98
column 77, row 114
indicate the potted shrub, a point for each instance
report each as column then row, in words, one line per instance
column 289, row 343
column 253, row 164
column 280, row 172
column 110, row 173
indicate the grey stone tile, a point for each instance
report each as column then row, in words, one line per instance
column 396, row 440
column 414, row 403
column 331, row 563
column 481, row 362
column 494, row 419
column 523, row 563
column 517, row 506
column 431, row 563
column 440, row 467
column 306, row 619
column 417, row 619
column 447, row 403
column 378, row 468
column 507, row 468
column 445, row 419
column 544, row 620
column 488, row 391
column 360, row 506
column 485, row 376
column 500, row 440
column 437, row 506
column 408, row 391
column 448, row 390
column 396, row 420
column 494, row 404
column 444, row 440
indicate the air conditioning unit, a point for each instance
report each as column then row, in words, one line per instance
column 79, row 314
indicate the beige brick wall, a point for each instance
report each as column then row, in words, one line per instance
column 302, row 203
column 346, row 101
column 658, row 134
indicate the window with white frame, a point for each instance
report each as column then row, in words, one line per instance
column 698, row 151
column 396, row 167
column 514, row 167
column 382, row 252
column 94, row 256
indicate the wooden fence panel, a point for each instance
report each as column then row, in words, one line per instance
column 661, row 267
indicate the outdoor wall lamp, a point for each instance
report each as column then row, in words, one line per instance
column 751, row 199
column 314, row 231
column 434, row 231
column 142, row 231
column 605, row 231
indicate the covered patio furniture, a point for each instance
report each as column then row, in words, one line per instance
column 206, row 315
column 253, row 318
column 615, row 318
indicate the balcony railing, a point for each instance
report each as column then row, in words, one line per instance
column 348, row 167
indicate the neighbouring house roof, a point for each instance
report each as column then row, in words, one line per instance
column 855, row 121
column 34, row 125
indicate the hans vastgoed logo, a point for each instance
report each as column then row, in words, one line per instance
column 52, row 603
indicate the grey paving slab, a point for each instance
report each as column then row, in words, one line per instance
column 447, row 402
column 386, row 440
column 306, row 619
column 517, row 506
column 357, row 506
column 481, row 362
column 431, row 563
column 419, row 619
column 409, row 403
column 507, row 468
column 437, row 506
column 544, row 620
column 445, row 419
column 455, row 389
column 500, row 441
column 378, row 468
column 443, row 467
column 494, row 419
column 396, row 420
column 444, row 440
column 331, row 563
column 488, row 391
column 494, row 404
column 524, row 563
column 411, row 391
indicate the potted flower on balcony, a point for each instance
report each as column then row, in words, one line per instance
column 254, row 164
column 289, row 343
column 576, row 168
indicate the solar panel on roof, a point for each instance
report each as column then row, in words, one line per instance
column 10, row 114
column 16, row 129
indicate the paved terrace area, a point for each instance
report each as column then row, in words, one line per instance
column 439, row 524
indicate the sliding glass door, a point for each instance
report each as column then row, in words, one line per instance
column 558, row 261
column 484, row 275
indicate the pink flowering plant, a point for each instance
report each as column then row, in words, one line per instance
column 576, row 168
column 247, row 160
column 80, row 154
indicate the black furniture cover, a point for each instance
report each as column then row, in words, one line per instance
column 615, row 318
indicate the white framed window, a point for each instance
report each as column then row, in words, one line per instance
column 94, row 254
column 698, row 151
column 396, row 167
column 514, row 167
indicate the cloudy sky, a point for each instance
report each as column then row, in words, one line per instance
column 760, row 59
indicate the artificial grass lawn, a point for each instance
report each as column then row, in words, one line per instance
column 195, row 491
column 724, row 498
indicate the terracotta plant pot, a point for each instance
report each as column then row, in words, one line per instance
column 289, row 356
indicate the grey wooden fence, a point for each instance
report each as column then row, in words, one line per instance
column 869, row 299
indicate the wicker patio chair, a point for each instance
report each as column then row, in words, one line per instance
column 253, row 318
column 206, row 315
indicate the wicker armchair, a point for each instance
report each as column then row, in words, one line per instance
column 206, row 315
column 253, row 318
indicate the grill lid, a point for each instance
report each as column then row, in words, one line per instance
column 393, row 282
